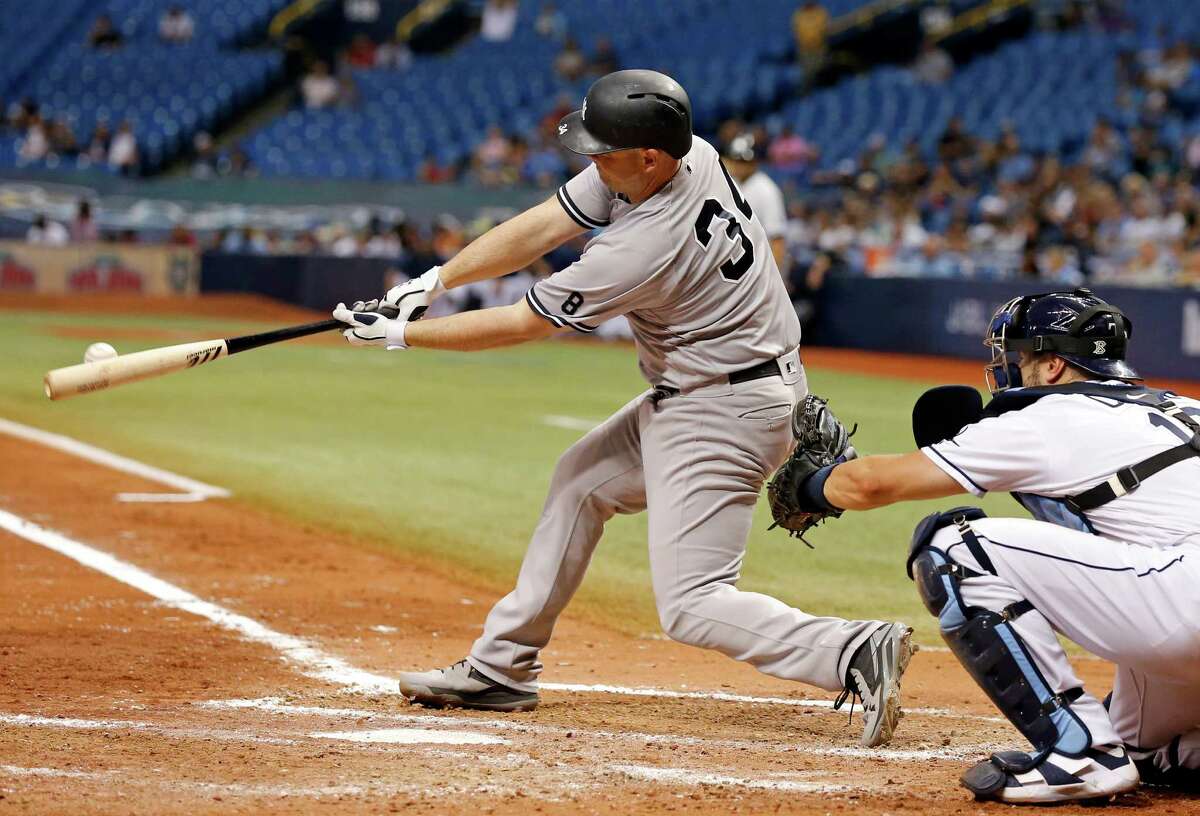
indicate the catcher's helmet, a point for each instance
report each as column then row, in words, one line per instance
column 1078, row 326
column 627, row 109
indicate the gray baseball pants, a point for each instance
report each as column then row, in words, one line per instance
column 696, row 461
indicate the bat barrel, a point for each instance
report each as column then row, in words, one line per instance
column 87, row 377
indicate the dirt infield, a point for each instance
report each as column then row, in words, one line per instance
column 111, row 701
column 187, row 657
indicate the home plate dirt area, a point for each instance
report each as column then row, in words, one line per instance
column 199, row 655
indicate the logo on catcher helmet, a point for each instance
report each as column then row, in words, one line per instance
column 1063, row 319
column 583, row 111
column 1101, row 347
column 562, row 129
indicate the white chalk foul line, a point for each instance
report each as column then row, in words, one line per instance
column 685, row 776
column 180, row 732
column 308, row 658
column 192, row 490
column 638, row 691
column 276, row 706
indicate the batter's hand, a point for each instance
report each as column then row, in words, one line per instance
column 408, row 301
column 371, row 328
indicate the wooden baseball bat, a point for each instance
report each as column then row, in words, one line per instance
column 140, row 365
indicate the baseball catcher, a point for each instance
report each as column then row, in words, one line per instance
column 1108, row 469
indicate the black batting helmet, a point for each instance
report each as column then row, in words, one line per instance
column 628, row 109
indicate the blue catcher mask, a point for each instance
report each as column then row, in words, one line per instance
column 1003, row 373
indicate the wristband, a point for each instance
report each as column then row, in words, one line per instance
column 812, row 493
column 394, row 335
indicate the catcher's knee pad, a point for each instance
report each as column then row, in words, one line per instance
column 985, row 642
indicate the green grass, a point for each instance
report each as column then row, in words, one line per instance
column 445, row 456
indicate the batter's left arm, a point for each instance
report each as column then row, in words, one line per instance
column 877, row 481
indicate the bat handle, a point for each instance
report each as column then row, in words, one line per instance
column 250, row 341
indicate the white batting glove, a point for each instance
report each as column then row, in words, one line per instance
column 409, row 300
column 371, row 328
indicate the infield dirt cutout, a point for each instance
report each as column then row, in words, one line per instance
column 114, row 702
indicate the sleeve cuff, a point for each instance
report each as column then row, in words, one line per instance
column 952, row 470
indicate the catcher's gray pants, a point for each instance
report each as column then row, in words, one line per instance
column 696, row 461
column 1136, row 606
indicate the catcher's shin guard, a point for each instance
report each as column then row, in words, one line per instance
column 988, row 646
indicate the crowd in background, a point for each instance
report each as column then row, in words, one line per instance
column 1123, row 208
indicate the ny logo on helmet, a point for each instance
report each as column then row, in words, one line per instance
column 583, row 110
column 1101, row 346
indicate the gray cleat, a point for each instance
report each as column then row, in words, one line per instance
column 874, row 678
column 461, row 686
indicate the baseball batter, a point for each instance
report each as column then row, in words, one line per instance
column 682, row 255
column 1109, row 469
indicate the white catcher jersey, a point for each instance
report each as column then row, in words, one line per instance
column 1064, row 444
column 690, row 267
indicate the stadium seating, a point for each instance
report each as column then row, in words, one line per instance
column 167, row 92
column 443, row 105
column 1051, row 87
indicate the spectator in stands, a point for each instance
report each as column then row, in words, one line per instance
column 544, row 166
column 1151, row 265
column 955, row 143
column 97, row 149
column 123, row 153
column 236, row 164
column 488, row 160
column 204, row 165
column 36, row 143
column 551, row 23
column 810, row 28
column 45, row 232
column 604, row 60
column 1058, row 267
column 1103, row 149
column 933, row 65
column 84, row 228
column 181, row 236
column 570, row 62
column 393, row 54
column 62, row 138
column 434, row 172
column 362, row 52
column 319, row 88
column 790, row 152
column 176, row 26
column 20, row 114
column 499, row 20
column 104, row 35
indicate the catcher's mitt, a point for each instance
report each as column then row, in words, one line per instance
column 821, row 439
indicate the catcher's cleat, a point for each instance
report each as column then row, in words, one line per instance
column 874, row 679
column 462, row 686
column 1017, row 778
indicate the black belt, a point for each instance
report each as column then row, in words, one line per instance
column 766, row 368
column 755, row 372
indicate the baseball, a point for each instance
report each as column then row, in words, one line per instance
column 99, row 351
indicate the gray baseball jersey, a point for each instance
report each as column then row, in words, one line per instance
column 690, row 267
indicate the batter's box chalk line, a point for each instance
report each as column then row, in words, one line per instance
column 190, row 489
